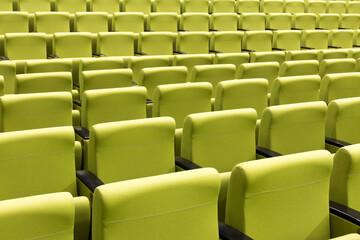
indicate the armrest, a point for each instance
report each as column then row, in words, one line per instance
column 183, row 31
column 345, row 212
column 214, row 30
column 149, row 31
column 178, row 52
column 345, row 28
column 321, row 28
column 4, row 58
column 241, row 29
column 141, row 53
column 52, row 56
column 297, row 29
column 266, row 152
column 335, row 142
column 271, row 29
column 149, row 101
column 89, row 179
column 213, row 51
column 229, row 233
column 99, row 55
column 185, row 164
column 82, row 132
column 77, row 102
column 356, row 45
column 247, row 50
column 279, row 49
column 309, row 48
column 333, row 47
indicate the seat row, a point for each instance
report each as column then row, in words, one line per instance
column 178, row 6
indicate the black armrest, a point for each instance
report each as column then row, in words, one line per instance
column 4, row 58
column 267, row 152
column 82, row 132
column 345, row 28
column 149, row 31
column 345, row 212
column 77, row 102
column 76, row 85
column 247, row 50
column 149, row 101
column 333, row 47
column 141, row 53
column 310, row 48
column 229, row 233
column 185, row 164
column 356, row 45
column 321, row 28
column 279, row 49
column 241, row 29
column 271, row 29
column 134, row 84
column 52, row 56
column 336, row 143
column 297, row 29
column 178, row 52
column 89, row 179
column 183, row 30
column 214, row 30
column 99, row 55
column 213, row 51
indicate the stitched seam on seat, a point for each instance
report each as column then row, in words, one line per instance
column 49, row 235
column 133, row 145
column 160, row 214
column 33, row 156
column 287, row 188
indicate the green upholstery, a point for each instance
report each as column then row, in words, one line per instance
column 153, row 77
column 278, row 21
column 190, row 60
column 52, row 214
column 109, row 6
column 72, row 45
column 317, row 39
column 294, row 6
column 53, row 65
column 297, row 68
column 353, row 7
column 301, row 55
column 226, row 42
column 259, row 41
column 193, row 42
column 6, row 5
column 267, row 70
column 132, row 149
column 287, row 39
column 244, row 93
column 71, row 6
column 138, row 63
column 341, row 38
column 20, row 46
column 341, row 65
column 43, row 82
column 194, row 22
column 143, row 6
column 273, row 56
column 101, row 79
column 252, row 21
column 8, row 71
column 34, row 6
column 14, row 22
column 345, row 177
column 332, row 54
column 156, row 43
column 338, row 7
column 224, row 21
column 168, row 6
column 354, row 53
column 342, row 119
column 314, row 6
column 163, row 22
column 350, row 21
column 295, row 186
column 88, row 64
column 40, row 110
column 328, row 21
column 196, row 6
column 93, row 22
column 52, row 22
column 128, row 22
column 213, row 74
column 293, row 128
column 2, row 83
column 180, row 100
column 271, row 6
column 114, row 104
column 247, row 6
column 232, row 58
column 306, row 21
column 222, row 6
column 187, row 199
column 116, row 43
column 296, row 89
column 339, row 85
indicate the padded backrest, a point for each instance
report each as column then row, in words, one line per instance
column 116, row 43
column 279, row 21
column 258, row 41
column 194, row 22
column 136, row 64
column 296, row 89
column 32, row 6
column 20, row 46
column 222, row 6
column 224, row 21
column 339, row 85
column 336, row 66
column 226, row 42
column 180, row 100
column 333, row 54
column 199, row 6
column 128, row 22
column 306, row 21
column 247, row 6
column 341, row 38
column 351, row 21
column 297, row 68
column 156, row 43
column 219, row 139
column 328, row 20
column 53, row 65
column 43, row 82
column 353, row 7
column 71, row 6
column 287, row 39
column 336, row 7
column 163, row 22
column 155, row 76
column 193, row 42
column 293, row 185
column 345, row 177
column 109, row 6
column 88, row 64
column 271, row 6
column 314, row 6
column 37, row 161
column 14, row 22
column 35, row 110
column 6, row 5
column 188, row 200
column 342, row 119
column 132, row 149
column 293, row 128
column 93, row 22
column 52, row 22
column 114, row 104
column 72, row 45
column 294, row 6
column 317, row 39
column 143, row 6
column 252, row 21
column 273, row 56
column 190, row 60
column 168, row 6
column 53, row 214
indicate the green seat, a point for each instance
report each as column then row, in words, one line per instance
column 339, row 85
column 341, row 65
column 293, row 128
column 53, row 65
column 193, row 42
column 143, row 6
column 222, row 6
column 301, row 55
column 226, row 42
column 168, row 6
column 278, row 21
column 353, row 7
column 2, row 87
column 187, row 200
column 197, row 6
column 317, row 7
column 317, row 39
column 116, row 43
column 191, row 60
column 338, row 7
column 232, row 58
column 138, row 63
column 224, row 21
column 295, row 89
column 247, row 6
column 22, row 46
column 71, row 6
column 128, row 22
column 194, row 22
column 52, row 22
column 72, row 45
column 341, row 38
column 273, row 56
column 109, row 6
column 328, row 21
column 350, row 21
column 156, row 43
column 298, row 68
column 89, row 64
column 287, row 39
column 163, row 22
column 258, row 41
column 34, row 6
column 286, row 183
column 6, row 5
column 271, row 6
column 332, row 54
column 8, row 71
column 304, row 21
column 294, row 6
column 252, row 21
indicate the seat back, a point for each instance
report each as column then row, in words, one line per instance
column 193, row 42
column 222, row 6
column 109, row 6
column 136, row 64
column 156, row 43
column 293, row 128
column 117, row 201
column 300, row 67
column 143, row 6
column 294, row 6
column 316, row 7
column 191, row 60
column 198, row 6
column 296, row 184
column 93, row 22
column 20, row 46
column 53, row 65
column 232, row 58
column 287, row 39
column 128, row 22
column 116, row 43
column 163, row 22
column 247, row 6
column 336, row 7
column 132, row 149
column 353, row 7
column 332, row 54
column 194, row 22
column 72, row 45
column 113, row 104
column 341, row 65
column 350, row 21
column 252, row 21
column 70, row 6
column 279, row 21
column 341, row 38
column 271, row 6
column 317, row 39
column 328, row 21
column 34, row 6
column 224, row 21
column 173, row 6
column 14, row 22
column 52, row 22
column 306, row 21
column 226, row 42
column 259, row 41
column 6, row 5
